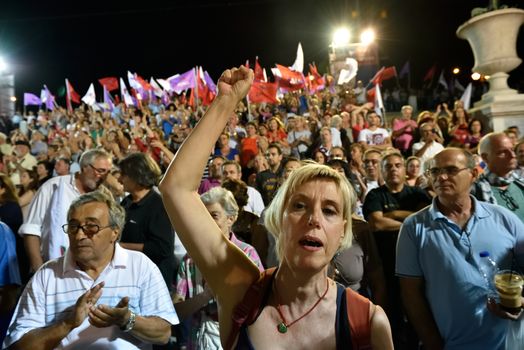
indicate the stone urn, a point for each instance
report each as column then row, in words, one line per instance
column 493, row 39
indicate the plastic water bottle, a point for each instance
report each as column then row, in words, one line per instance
column 488, row 268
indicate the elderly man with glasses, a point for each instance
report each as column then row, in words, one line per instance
column 438, row 262
column 500, row 183
column 98, row 295
column 43, row 238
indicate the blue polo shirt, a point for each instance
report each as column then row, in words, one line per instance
column 432, row 247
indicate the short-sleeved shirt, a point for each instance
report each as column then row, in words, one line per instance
column 375, row 137
column 48, row 211
column 58, row 284
column 432, row 247
column 147, row 223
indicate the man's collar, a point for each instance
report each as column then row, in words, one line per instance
column 119, row 260
column 477, row 210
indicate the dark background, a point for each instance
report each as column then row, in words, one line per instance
column 47, row 41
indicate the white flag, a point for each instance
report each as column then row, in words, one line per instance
column 298, row 66
column 276, row 72
column 442, row 81
column 164, row 83
column 156, row 88
column 90, row 97
column 125, row 94
column 347, row 74
column 466, row 96
column 379, row 104
column 133, row 82
column 458, row 85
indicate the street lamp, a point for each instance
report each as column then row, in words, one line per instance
column 367, row 37
column 341, row 37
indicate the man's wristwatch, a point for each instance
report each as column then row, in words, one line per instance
column 130, row 322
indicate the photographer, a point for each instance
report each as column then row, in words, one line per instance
column 428, row 145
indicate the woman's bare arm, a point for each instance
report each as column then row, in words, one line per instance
column 227, row 270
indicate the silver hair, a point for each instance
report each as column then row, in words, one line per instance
column 223, row 197
column 88, row 157
column 117, row 214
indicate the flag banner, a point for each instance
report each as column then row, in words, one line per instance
column 128, row 100
column 90, row 97
column 209, row 82
column 108, row 100
column 164, row 83
column 47, row 98
column 157, row 90
column 110, row 83
column 458, row 85
column 466, row 96
column 72, row 95
column 315, row 81
column 442, row 81
column 133, row 82
column 379, row 103
column 31, row 99
column 263, row 92
column 298, row 65
column 183, row 81
column 430, row 73
column 404, row 71
column 143, row 83
column 288, row 74
column 259, row 73
column 384, row 74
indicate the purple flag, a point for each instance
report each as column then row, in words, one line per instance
column 31, row 99
column 404, row 71
column 47, row 98
column 209, row 82
column 108, row 100
column 183, row 81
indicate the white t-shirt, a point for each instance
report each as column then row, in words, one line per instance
column 376, row 137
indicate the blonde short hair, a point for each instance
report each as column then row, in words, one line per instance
column 274, row 214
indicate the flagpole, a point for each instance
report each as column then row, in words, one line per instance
column 409, row 79
column 196, row 90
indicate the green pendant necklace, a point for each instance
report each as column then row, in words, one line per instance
column 284, row 325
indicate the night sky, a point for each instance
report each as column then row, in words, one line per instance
column 47, row 41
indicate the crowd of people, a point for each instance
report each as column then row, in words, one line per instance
column 309, row 206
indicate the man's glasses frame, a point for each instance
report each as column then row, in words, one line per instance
column 88, row 229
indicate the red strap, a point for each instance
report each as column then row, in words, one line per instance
column 359, row 323
column 246, row 311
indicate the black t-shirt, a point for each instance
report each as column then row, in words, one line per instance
column 147, row 222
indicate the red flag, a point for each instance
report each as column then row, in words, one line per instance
column 111, row 83
column 384, row 74
column 204, row 92
column 289, row 74
column 144, row 83
column 315, row 81
column 259, row 73
column 263, row 92
column 430, row 73
column 72, row 95
column 371, row 95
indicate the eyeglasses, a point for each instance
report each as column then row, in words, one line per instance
column 448, row 170
column 100, row 170
column 511, row 203
column 89, row 229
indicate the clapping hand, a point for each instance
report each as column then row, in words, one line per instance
column 104, row 316
column 84, row 304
